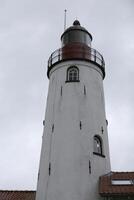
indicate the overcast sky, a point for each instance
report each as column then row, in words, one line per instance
column 30, row 31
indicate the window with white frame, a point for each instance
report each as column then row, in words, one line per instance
column 97, row 145
column 72, row 74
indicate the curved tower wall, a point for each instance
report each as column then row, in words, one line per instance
column 67, row 147
column 75, row 113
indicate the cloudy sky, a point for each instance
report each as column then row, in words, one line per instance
column 29, row 32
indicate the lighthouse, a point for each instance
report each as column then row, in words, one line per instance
column 75, row 149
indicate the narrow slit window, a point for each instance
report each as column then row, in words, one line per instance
column 49, row 169
column 84, row 90
column 89, row 167
column 43, row 122
column 52, row 128
column 61, row 91
column 80, row 125
column 102, row 130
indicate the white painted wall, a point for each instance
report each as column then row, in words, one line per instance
column 68, row 148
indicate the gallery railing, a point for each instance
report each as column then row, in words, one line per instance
column 80, row 53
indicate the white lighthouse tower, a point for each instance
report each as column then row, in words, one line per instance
column 75, row 150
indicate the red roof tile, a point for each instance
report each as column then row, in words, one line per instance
column 106, row 188
column 17, row 195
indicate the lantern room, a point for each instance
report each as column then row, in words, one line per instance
column 76, row 34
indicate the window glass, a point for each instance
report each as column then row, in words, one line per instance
column 97, row 145
column 122, row 182
column 76, row 36
column 73, row 74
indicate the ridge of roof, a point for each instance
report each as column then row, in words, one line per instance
column 17, row 190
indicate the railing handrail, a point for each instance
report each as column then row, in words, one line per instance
column 60, row 51
column 90, row 54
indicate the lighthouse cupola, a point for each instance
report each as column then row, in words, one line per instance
column 76, row 45
column 76, row 34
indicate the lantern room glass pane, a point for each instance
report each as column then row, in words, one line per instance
column 76, row 36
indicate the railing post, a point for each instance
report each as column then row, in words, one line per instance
column 59, row 55
column 102, row 62
column 51, row 59
column 95, row 55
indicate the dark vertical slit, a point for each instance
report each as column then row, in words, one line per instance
column 89, row 167
column 102, row 130
column 52, row 128
column 49, row 169
column 84, row 90
column 80, row 125
column 61, row 91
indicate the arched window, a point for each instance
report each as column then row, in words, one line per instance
column 72, row 74
column 98, row 145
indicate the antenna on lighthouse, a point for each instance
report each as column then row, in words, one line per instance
column 65, row 18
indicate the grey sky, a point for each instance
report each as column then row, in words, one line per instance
column 29, row 32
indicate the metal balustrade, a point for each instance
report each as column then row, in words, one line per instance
column 81, row 53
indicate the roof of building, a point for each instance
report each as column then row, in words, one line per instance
column 111, row 184
column 17, row 195
column 117, row 184
column 78, row 27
